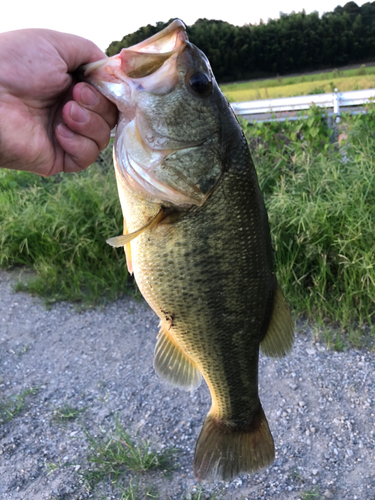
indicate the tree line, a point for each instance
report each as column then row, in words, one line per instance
column 296, row 42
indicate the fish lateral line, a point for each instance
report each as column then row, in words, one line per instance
column 120, row 241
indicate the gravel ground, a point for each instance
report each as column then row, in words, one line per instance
column 320, row 405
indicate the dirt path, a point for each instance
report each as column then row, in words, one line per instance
column 320, row 406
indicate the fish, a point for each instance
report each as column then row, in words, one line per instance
column 197, row 238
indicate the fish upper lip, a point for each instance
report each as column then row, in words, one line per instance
column 170, row 34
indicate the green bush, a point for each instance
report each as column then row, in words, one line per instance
column 281, row 139
column 317, row 90
column 320, row 198
column 362, row 70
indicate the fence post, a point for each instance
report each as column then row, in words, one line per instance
column 336, row 113
column 336, row 103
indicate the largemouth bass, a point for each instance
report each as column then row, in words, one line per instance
column 197, row 238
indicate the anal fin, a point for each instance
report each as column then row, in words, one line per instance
column 279, row 338
column 173, row 365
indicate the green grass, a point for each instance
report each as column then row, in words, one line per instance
column 311, row 77
column 199, row 495
column 59, row 227
column 321, row 206
column 134, row 491
column 67, row 413
column 312, row 494
column 14, row 405
column 352, row 79
column 114, row 456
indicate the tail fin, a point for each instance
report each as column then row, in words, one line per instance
column 223, row 450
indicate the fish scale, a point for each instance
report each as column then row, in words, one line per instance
column 196, row 236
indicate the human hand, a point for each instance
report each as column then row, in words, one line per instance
column 49, row 124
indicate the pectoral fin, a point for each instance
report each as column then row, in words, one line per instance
column 128, row 251
column 280, row 336
column 172, row 365
column 120, row 241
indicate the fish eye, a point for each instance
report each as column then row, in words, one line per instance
column 200, row 84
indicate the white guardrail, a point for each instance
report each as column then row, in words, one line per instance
column 285, row 107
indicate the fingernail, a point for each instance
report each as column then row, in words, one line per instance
column 88, row 96
column 65, row 131
column 78, row 114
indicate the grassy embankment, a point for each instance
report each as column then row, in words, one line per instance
column 321, row 205
column 58, row 227
column 320, row 198
column 351, row 79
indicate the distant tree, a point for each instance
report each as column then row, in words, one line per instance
column 352, row 9
column 295, row 42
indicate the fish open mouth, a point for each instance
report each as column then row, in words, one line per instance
column 141, row 61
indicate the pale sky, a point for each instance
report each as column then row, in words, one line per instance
column 106, row 21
